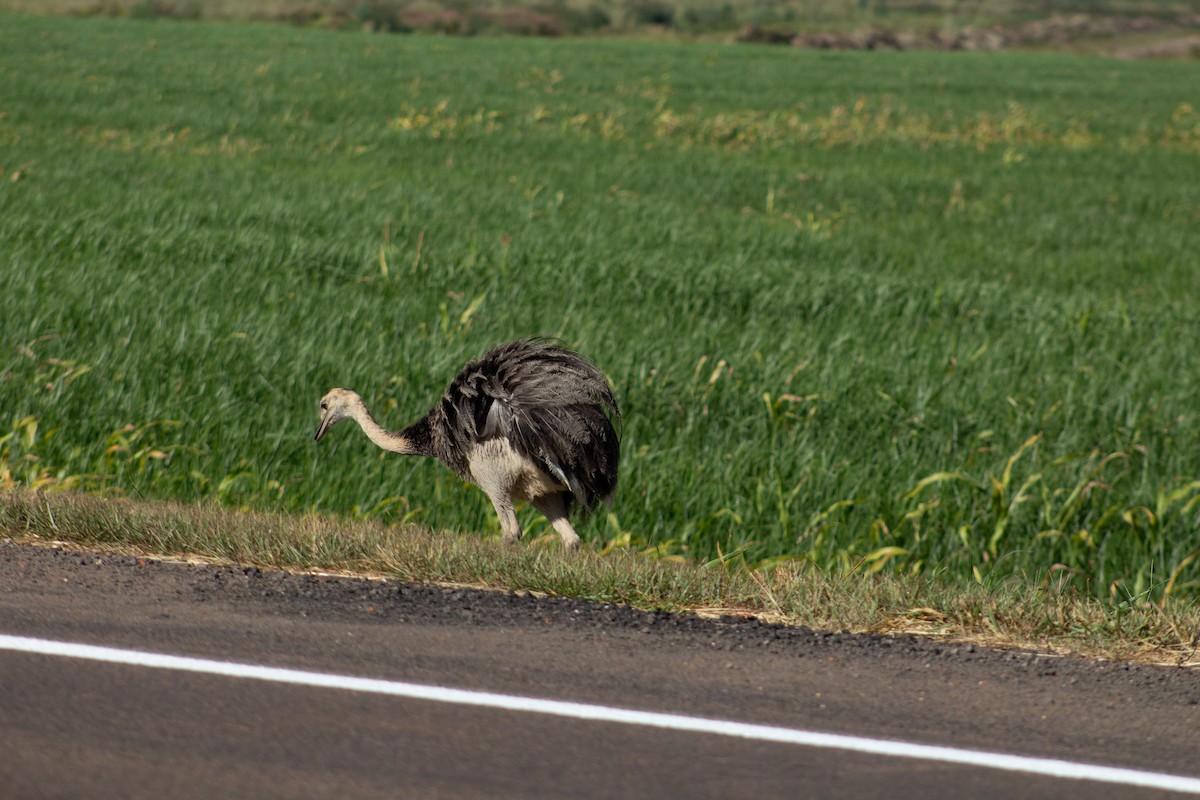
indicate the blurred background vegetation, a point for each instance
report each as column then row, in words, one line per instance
column 849, row 24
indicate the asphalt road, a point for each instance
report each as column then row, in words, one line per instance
column 82, row 728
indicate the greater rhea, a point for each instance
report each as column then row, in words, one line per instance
column 529, row 420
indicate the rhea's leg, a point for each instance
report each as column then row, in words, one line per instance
column 554, row 506
column 508, row 518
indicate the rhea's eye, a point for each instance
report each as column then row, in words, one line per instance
column 324, row 406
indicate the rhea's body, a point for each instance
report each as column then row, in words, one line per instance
column 528, row 420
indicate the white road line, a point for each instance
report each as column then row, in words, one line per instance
column 1050, row 767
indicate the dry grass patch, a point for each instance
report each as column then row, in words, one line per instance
column 1013, row 614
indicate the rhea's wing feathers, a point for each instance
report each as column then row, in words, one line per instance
column 552, row 405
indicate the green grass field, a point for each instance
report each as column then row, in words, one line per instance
column 876, row 311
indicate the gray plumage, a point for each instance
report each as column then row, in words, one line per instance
column 528, row 420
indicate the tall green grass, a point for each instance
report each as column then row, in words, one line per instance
column 896, row 312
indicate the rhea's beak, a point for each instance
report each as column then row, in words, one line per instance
column 326, row 421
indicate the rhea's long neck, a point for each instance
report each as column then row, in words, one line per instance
column 413, row 440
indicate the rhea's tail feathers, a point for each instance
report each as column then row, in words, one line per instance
column 580, row 443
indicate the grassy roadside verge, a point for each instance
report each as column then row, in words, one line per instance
column 1052, row 618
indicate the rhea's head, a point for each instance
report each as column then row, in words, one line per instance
column 337, row 405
